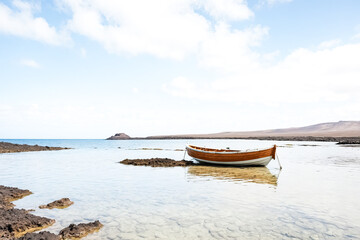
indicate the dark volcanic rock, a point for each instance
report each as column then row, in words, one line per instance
column 350, row 141
column 75, row 231
column 5, row 204
column 16, row 222
column 40, row 236
column 157, row 162
column 119, row 136
column 9, row 194
column 61, row 203
column 6, row 147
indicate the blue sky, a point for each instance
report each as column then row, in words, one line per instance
column 90, row 68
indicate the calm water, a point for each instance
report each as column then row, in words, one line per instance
column 315, row 196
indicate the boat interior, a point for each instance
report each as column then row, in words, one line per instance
column 213, row 149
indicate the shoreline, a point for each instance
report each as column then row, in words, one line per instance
column 6, row 147
column 339, row 140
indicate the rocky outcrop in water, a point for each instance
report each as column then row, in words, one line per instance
column 119, row 136
column 40, row 236
column 6, row 147
column 349, row 141
column 157, row 162
column 61, row 203
column 73, row 231
column 76, row 231
column 9, row 194
column 19, row 223
column 16, row 222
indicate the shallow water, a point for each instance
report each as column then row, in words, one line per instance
column 315, row 196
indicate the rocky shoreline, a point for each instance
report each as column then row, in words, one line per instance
column 6, row 147
column 20, row 224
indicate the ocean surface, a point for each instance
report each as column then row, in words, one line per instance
column 315, row 196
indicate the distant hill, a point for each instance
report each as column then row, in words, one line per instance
column 331, row 129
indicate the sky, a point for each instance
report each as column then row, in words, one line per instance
column 93, row 68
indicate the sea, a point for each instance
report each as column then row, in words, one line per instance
column 316, row 194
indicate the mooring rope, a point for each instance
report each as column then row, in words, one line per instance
column 278, row 160
column 184, row 154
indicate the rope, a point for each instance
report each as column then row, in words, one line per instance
column 278, row 160
column 184, row 154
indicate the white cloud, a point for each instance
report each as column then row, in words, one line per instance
column 21, row 22
column 228, row 10
column 167, row 29
column 181, row 86
column 304, row 76
column 231, row 50
column 329, row 44
column 30, row 63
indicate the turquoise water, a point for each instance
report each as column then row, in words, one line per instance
column 315, row 196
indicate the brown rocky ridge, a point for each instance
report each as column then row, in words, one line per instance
column 9, row 194
column 73, row 231
column 332, row 131
column 20, row 224
column 6, row 147
column 61, row 203
column 76, row 231
column 17, row 222
column 343, row 132
column 158, row 162
column 40, row 236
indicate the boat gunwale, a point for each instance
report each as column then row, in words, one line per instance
column 226, row 152
column 250, row 162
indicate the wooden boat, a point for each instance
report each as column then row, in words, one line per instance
column 232, row 157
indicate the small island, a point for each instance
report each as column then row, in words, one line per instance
column 119, row 136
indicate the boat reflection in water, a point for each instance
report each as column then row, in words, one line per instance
column 260, row 175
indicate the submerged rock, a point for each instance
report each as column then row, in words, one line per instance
column 76, row 231
column 158, row 162
column 40, row 236
column 61, row 203
column 17, row 222
column 6, row 147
